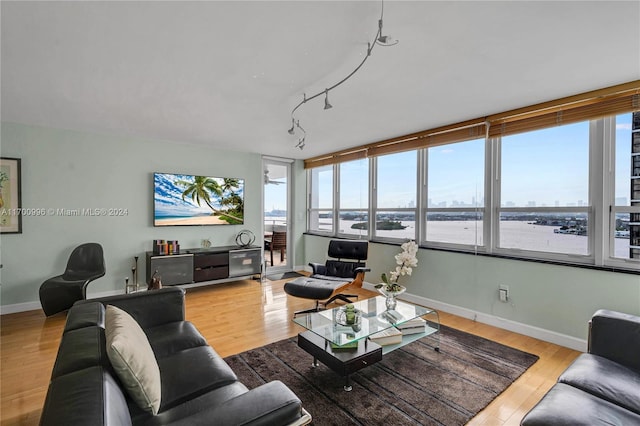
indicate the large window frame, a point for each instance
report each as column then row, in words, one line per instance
column 538, row 212
column 359, row 213
column 389, row 214
column 597, row 108
column 476, row 210
column 600, row 210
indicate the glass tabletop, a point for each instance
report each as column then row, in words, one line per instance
column 372, row 317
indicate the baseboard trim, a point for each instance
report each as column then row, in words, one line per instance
column 35, row 306
column 516, row 327
column 19, row 307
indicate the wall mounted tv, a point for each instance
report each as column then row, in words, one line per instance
column 197, row 200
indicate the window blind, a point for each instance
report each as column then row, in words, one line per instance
column 591, row 105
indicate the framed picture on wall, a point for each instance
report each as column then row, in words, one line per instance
column 10, row 196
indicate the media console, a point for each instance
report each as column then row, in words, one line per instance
column 204, row 264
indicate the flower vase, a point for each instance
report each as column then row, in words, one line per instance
column 391, row 296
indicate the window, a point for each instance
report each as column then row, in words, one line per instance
column 321, row 200
column 544, row 191
column 455, row 194
column 568, row 193
column 353, row 210
column 395, row 205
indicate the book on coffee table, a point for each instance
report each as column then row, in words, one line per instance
column 414, row 326
column 389, row 336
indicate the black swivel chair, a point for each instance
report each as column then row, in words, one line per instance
column 328, row 280
column 85, row 264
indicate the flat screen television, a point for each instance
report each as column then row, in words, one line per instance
column 197, row 200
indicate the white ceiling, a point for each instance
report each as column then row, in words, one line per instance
column 227, row 74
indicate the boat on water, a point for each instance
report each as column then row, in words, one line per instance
column 622, row 234
column 571, row 230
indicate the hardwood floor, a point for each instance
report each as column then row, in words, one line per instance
column 235, row 317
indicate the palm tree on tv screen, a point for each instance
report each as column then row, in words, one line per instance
column 203, row 187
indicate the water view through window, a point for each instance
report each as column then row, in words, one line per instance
column 543, row 190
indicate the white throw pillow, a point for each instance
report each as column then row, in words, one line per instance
column 132, row 359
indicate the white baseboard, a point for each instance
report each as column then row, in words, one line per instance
column 35, row 306
column 516, row 327
column 19, row 307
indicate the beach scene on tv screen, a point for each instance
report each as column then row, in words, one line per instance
column 197, row 200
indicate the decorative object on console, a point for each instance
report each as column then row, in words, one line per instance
column 129, row 288
column 166, row 247
column 197, row 200
column 155, row 283
column 406, row 261
column 10, row 196
column 245, row 238
column 205, row 243
column 135, row 272
column 379, row 39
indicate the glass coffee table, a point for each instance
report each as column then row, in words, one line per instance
column 345, row 347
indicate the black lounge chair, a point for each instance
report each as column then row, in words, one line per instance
column 330, row 279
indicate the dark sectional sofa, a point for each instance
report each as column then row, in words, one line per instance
column 197, row 386
column 601, row 387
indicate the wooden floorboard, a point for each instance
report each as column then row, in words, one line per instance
column 235, row 317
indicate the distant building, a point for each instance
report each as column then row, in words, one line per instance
column 634, row 222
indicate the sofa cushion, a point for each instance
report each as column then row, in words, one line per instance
column 312, row 288
column 269, row 404
column 167, row 339
column 85, row 397
column 605, row 379
column 132, row 359
column 342, row 269
column 85, row 315
column 203, row 403
column 565, row 405
column 190, row 373
column 81, row 348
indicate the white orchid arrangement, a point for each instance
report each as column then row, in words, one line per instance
column 406, row 261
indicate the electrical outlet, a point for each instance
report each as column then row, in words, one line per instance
column 503, row 293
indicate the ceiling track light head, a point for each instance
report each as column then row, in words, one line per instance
column 386, row 41
column 327, row 105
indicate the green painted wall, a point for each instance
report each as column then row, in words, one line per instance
column 69, row 169
column 551, row 297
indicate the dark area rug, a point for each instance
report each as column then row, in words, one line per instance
column 286, row 275
column 411, row 385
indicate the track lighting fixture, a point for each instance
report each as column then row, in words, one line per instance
column 379, row 39
column 327, row 105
